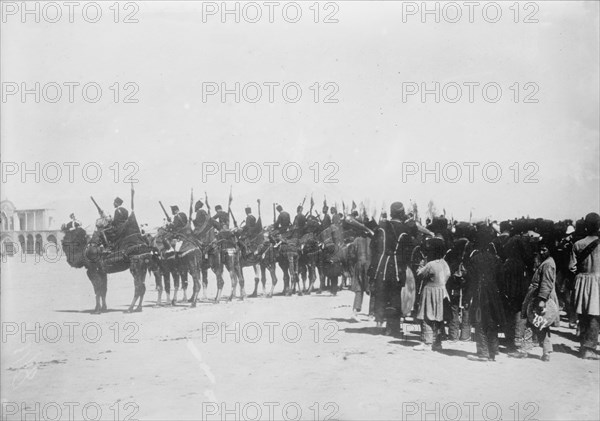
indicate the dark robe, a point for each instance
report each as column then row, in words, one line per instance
column 283, row 221
column 484, row 272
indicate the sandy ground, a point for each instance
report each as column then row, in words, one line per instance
column 280, row 358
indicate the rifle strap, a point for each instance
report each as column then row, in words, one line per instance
column 586, row 252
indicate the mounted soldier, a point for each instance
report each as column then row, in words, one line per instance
column 180, row 220
column 73, row 223
column 326, row 222
column 283, row 221
column 121, row 214
column 249, row 229
column 201, row 220
column 299, row 220
column 221, row 217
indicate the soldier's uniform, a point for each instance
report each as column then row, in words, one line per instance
column 200, row 220
column 283, row 221
column 326, row 219
column 459, row 327
column 179, row 221
column 120, row 216
column 221, row 217
column 73, row 223
column 300, row 220
column 250, row 226
column 392, row 246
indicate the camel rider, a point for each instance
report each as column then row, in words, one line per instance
column 326, row 222
column 335, row 216
column 221, row 217
column 179, row 219
column 250, row 226
column 121, row 214
column 201, row 220
column 299, row 219
column 73, row 223
column 283, row 220
column 392, row 249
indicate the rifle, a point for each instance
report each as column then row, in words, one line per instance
column 274, row 217
column 258, row 201
column 232, row 218
column 229, row 206
column 259, row 221
column 100, row 211
column 206, row 201
column 164, row 210
column 132, row 193
column 303, row 201
column 312, row 204
column 191, row 205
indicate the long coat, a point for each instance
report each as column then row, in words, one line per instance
column 484, row 271
column 587, row 279
column 543, row 285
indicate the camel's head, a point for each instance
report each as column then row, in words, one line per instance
column 73, row 245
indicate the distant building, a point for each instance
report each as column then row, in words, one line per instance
column 27, row 231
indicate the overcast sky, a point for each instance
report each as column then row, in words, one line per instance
column 368, row 133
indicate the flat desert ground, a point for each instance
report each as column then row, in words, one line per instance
column 279, row 358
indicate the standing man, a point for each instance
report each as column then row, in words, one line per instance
column 391, row 256
column 486, row 313
column 585, row 263
column 459, row 328
column 283, row 220
column 541, row 290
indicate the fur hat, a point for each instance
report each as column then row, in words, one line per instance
column 592, row 223
column 174, row 209
column 198, row 205
column 484, row 236
column 118, row 201
column 397, row 210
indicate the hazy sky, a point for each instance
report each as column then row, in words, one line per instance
column 368, row 134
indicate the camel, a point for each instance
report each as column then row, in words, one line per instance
column 128, row 250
